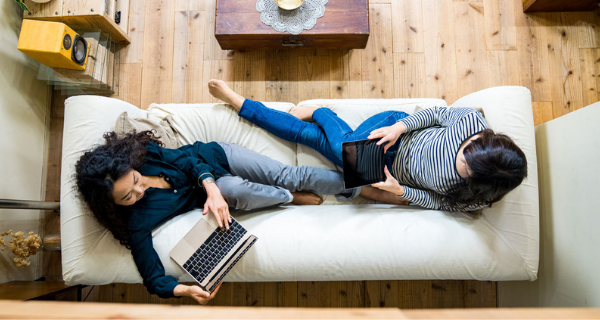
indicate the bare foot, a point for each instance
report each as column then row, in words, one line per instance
column 306, row 198
column 303, row 113
column 220, row 90
column 382, row 195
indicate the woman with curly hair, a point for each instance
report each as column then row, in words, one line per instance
column 132, row 185
column 439, row 158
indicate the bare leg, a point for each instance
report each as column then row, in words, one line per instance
column 303, row 113
column 306, row 198
column 381, row 195
column 220, row 90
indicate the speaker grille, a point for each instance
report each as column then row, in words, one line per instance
column 67, row 41
column 79, row 52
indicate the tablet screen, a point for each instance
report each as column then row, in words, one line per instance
column 363, row 163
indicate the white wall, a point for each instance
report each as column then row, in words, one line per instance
column 24, row 115
column 568, row 151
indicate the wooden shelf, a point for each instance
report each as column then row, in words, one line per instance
column 91, row 14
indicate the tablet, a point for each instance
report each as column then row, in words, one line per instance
column 364, row 162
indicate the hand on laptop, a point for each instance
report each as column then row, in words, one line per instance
column 196, row 293
column 217, row 205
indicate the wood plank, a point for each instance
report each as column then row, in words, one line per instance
column 480, row 294
column 217, row 69
column 503, row 69
column 314, row 294
column 339, row 74
column 42, row 10
column 212, row 50
column 281, row 71
column 409, row 75
column 355, row 69
column 249, row 75
column 27, row 290
column 415, row 294
column 124, row 7
column 408, row 25
column 130, row 84
column 504, row 313
column 500, row 24
column 564, row 62
column 377, row 59
column 194, row 83
column 248, row 294
column 281, row 294
column 381, row 294
column 532, row 44
column 589, row 29
column 224, row 297
column 75, row 310
column 347, row 294
column 542, row 112
column 180, row 56
column 133, row 52
column 440, row 50
column 313, row 73
column 471, row 56
column 157, row 72
column 558, row 5
column 590, row 75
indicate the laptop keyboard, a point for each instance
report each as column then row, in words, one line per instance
column 213, row 250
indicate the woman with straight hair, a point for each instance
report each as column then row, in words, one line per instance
column 439, row 158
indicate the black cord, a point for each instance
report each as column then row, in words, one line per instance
column 89, row 293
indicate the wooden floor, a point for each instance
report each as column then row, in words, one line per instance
column 417, row 48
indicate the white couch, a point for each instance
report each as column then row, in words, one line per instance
column 312, row 243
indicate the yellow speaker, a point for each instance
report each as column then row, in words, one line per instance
column 53, row 44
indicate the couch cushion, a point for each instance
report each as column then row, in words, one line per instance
column 220, row 122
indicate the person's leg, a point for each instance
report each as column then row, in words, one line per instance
column 243, row 194
column 257, row 168
column 279, row 123
column 338, row 131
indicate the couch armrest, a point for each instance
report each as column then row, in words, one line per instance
column 516, row 217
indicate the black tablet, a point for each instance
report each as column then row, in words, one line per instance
column 363, row 162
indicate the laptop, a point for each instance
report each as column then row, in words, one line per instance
column 364, row 162
column 207, row 254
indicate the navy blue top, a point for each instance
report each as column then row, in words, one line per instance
column 184, row 169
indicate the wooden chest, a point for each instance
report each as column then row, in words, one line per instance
column 345, row 25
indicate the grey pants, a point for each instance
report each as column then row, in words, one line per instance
column 257, row 181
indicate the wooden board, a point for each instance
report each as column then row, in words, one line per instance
column 27, row 290
column 559, row 5
column 238, row 26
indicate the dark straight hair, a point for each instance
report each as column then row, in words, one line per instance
column 497, row 166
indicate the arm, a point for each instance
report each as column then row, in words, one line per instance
column 189, row 160
column 436, row 116
column 424, row 198
column 150, row 267
column 433, row 200
column 153, row 272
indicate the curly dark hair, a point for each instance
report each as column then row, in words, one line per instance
column 497, row 166
column 98, row 169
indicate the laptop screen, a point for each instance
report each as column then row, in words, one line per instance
column 363, row 163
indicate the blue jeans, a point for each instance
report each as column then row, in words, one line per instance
column 326, row 137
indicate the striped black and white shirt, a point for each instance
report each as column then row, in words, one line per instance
column 426, row 160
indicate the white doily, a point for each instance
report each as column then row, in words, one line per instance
column 292, row 21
